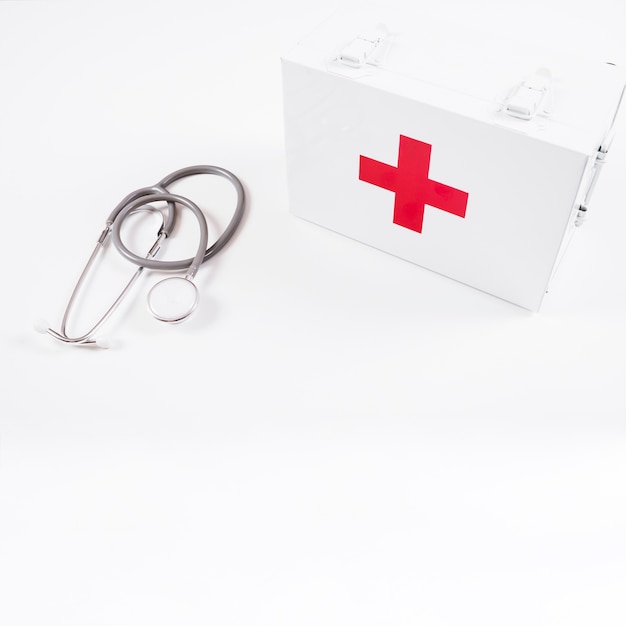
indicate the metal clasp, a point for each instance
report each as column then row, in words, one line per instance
column 530, row 97
column 364, row 49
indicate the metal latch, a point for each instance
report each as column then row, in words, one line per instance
column 364, row 49
column 530, row 98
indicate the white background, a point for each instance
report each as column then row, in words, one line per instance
column 338, row 436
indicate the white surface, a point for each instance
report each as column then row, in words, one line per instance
column 336, row 436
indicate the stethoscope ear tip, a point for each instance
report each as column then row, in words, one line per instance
column 41, row 326
column 103, row 342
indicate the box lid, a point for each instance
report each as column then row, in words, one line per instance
column 470, row 73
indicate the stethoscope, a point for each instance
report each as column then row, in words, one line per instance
column 174, row 298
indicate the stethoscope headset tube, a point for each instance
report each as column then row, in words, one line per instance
column 174, row 298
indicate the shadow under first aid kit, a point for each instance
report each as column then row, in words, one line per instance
column 472, row 157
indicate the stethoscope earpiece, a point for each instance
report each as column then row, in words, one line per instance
column 172, row 299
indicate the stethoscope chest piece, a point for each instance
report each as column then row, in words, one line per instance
column 173, row 299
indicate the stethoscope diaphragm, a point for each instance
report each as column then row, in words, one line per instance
column 173, row 299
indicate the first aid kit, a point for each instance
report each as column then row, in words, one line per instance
column 469, row 155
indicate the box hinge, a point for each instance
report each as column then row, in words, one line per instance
column 599, row 161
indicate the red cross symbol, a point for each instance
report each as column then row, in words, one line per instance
column 411, row 184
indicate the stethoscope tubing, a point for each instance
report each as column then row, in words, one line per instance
column 191, row 265
column 232, row 226
column 143, row 196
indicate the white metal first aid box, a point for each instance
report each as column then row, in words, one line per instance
column 467, row 155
